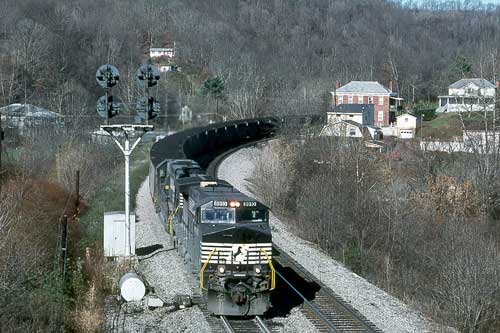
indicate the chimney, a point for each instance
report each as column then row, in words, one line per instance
column 337, row 86
column 390, row 85
column 497, row 83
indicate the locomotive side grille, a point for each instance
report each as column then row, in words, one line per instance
column 238, row 254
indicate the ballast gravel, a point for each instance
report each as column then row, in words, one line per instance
column 164, row 271
column 385, row 311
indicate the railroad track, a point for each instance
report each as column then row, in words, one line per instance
column 328, row 312
column 235, row 325
column 256, row 324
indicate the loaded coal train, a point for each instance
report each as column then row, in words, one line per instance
column 222, row 234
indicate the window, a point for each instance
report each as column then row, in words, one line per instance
column 406, row 119
column 370, row 99
column 352, row 132
column 360, row 99
column 351, row 116
column 380, row 116
column 380, row 100
column 217, row 215
column 340, row 99
column 349, row 99
column 251, row 215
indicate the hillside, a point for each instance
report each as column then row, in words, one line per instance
column 276, row 57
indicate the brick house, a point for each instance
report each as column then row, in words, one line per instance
column 366, row 92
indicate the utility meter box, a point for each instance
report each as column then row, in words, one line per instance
column 115, row 233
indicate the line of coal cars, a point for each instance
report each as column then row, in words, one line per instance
column 222, row 234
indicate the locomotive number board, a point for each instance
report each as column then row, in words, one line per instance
column 232, row 204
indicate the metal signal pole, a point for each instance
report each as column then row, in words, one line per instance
column 129, row 132
column 107, row 76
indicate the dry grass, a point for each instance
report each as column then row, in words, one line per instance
column 102, row 276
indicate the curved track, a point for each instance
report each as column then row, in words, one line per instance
column 328, row 312
column 210, row 146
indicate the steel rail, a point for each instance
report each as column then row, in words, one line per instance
column 237, row 325
column 226, row 324
column 309, row 304
column 262, row 325
column 327, row 298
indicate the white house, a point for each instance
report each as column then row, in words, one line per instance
column 406, row 125
column 468, row 95
column 168, row 68
column 343, row 128
column 157, row 52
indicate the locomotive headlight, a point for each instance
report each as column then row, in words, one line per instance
column 221, row 269
column 257, row 269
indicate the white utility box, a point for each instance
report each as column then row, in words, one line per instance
column 114, row 234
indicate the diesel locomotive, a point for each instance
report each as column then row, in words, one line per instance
column 222, row 234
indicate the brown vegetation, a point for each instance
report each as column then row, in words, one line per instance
column 29, row 217
column 416, row 227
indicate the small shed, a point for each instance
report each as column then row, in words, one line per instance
column 115, row 234
column 407, row 124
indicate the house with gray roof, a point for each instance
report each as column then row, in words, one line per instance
column 366, row 92
column 468, row 95
column 26, row 117
column 360, row 113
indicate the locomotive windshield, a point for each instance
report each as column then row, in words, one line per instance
column 217, row 215
column 251, row 215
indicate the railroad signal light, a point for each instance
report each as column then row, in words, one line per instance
column 148, row 108
column 107, row 76
column 148, row 75
column 107, row 107
column 153, row 108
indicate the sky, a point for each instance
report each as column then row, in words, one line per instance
column 484, row 2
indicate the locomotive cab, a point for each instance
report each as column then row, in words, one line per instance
column 231, row 247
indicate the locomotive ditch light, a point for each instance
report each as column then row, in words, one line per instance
column 258, row 269
column 221, row 269
column 234, row 204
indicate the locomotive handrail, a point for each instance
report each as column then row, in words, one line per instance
column 170, row 221
column 202, row 271
column 273, row 271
